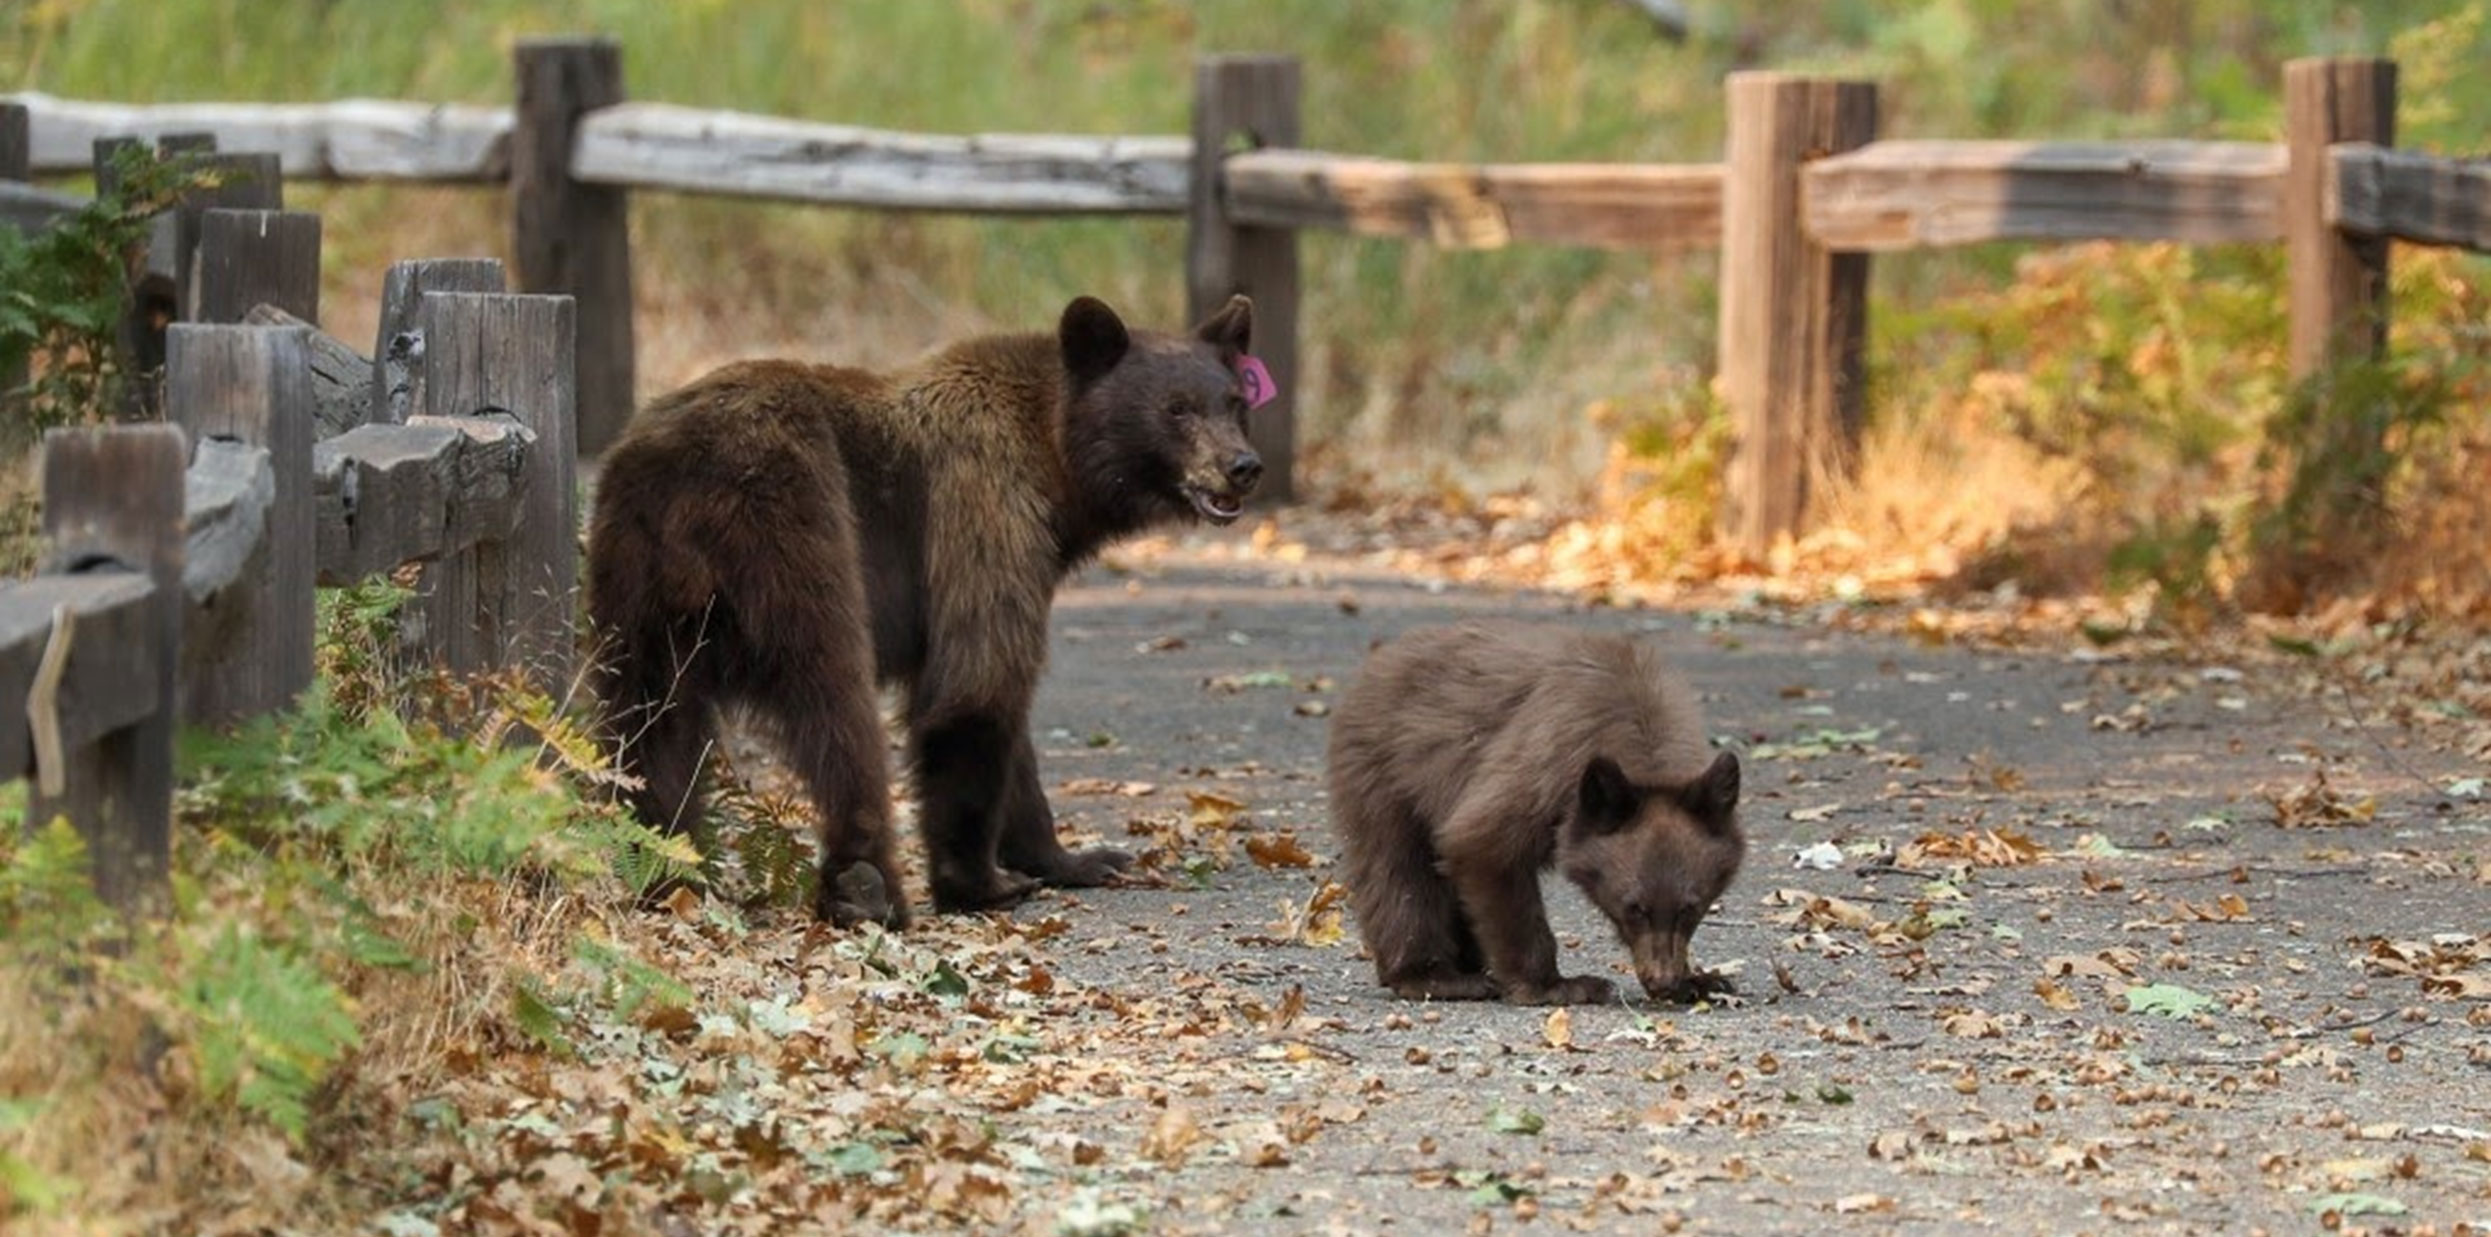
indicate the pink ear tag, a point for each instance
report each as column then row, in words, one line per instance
column 1259, row 388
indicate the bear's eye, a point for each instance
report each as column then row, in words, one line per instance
column 1181, row 408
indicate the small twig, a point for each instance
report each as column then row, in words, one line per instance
column 2381, row 1016
column 2352, row 712
column 2266, row 869
column 1325, row 1051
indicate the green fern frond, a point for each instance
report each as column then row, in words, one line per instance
column 265, row 1026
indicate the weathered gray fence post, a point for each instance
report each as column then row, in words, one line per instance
column 252, row 257
column 16, row 142
column 16, row 164
column 115, row 496
column 445, row 590
column 569, row 237
column 2338, row 279
column 1240, row 103
column 488, row 353
column 1794, row 315
column 243, row 182
column 249, row 650
column 398, row 354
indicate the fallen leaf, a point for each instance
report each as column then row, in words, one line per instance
column 2168, row 1000
column 2356, row 1205
column 1559, row 1029
column 1985, row 848
column 1516, row 1121
column 1278, row 851
column 1172, row 1136
column 1209, row 809
column 1106, row 786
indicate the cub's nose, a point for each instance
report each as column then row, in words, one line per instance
column 1245, row 470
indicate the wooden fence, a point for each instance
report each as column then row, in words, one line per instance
column 1804, row 194
column 183, row 556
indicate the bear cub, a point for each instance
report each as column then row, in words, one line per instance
column 789, row 537
column 1467, row 760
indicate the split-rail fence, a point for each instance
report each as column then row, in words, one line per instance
column 1804, row 194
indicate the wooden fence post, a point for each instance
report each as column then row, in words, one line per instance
column 569, row 237
column 2338, row 279
column 16, row 163
column 151, row 299
column 115, row 496
column 445, row 590
column 16, row 142
column 398, row 354
column 1248, row 102
column 244, row 182
column 487, row 353
column 249, row 647
column 251, row 257
column 1794, row 315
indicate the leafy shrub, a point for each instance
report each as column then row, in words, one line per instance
column 62, row 290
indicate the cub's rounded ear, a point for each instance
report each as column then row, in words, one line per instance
column 1231, row 330
column 1712, row 797
column 1608, row 799
column 1093, row 338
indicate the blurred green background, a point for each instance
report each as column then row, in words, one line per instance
column 1425, row 370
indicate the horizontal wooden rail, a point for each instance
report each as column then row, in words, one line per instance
column 660, row 146
column 383, row 495
column 1907, row 195
column 1480, row 206
column 29, row 209
column 226, row 496
column 109, row 678
column 350, row 139
column 2410, row 196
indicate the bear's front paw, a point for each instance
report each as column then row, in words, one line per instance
column 1080, row 869
column 1576, row 990
column 980, row 891
column 859, row 894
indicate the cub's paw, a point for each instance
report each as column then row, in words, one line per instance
column 1700, row 985
column 1078, row 869
column 982, row 891
column 859, row 894
column 1577, row 990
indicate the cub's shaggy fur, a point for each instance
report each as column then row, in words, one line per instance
column 1467, row 760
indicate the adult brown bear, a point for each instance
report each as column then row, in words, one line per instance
column 789, row 536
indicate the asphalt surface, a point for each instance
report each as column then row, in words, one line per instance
column 1920, row 1045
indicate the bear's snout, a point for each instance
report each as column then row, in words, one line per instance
column 1245, row 471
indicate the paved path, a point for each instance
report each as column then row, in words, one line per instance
column 1923, row 1044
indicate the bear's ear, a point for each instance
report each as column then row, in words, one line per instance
column 1608, row 799
column 1712, row 798
column 1093, row 338
column 1231, row 330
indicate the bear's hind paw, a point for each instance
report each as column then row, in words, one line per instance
column 859, row 894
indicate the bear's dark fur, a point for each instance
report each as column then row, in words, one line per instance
column 1467, row 760
column 787, row 536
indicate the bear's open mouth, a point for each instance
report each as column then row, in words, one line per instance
column 1216, row 507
